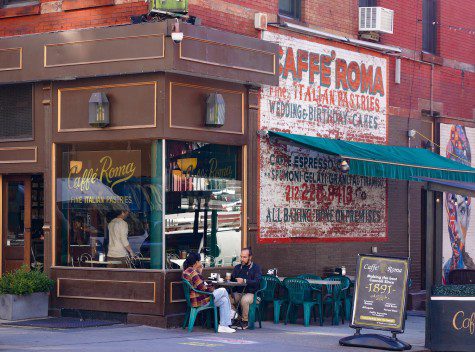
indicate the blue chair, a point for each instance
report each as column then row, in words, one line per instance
column 298, row 290
column 348, row 297
column 192, row 312
column 271, row 295
column 255, row 307
column 335, row 298
column 318, row 298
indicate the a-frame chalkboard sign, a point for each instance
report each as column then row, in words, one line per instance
column 379, row 302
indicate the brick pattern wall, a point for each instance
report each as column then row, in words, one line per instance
column 52, row 18
column 453, row 89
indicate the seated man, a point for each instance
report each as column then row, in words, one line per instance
column 192, row 273
column 249, row 273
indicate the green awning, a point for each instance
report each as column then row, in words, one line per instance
column 385, row 161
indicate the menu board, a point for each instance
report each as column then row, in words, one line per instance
column 380, row 293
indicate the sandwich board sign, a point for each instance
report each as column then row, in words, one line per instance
column 379, row 302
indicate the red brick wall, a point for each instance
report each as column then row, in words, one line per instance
column 52, row 20
column 453, row 90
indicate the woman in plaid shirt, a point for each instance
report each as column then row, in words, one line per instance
column 192, row 273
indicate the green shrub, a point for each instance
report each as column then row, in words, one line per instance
column 24, row 282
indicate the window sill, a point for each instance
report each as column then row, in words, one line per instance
column 18, row 11
column 283, row 18
column 432, row 58
column 70, row 5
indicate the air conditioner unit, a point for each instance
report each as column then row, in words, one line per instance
column 376, row 19
column 260, row 21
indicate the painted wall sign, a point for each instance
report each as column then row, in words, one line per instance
column 458, row 246
column 380, row 293
column 453, row 326
column 328, row 92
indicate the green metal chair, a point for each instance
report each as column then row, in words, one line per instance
column 335, row 298
column 255, row 307
column 192, row 312
column 298, row 295
column 316, row 288
column 271, row 295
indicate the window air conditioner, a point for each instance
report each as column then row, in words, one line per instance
column 376, row 19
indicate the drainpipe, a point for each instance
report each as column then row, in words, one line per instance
column 431, row 88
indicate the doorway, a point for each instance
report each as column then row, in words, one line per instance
column 22, row 222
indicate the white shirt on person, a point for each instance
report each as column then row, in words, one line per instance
column 118, row 230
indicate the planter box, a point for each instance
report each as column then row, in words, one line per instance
column 452, row 324
column 13, row 307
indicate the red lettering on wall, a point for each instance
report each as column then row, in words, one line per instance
column 314, row 66
column 378, row 82
column 341, row 74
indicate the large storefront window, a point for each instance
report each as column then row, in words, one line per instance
column 109, row 205
column 203, row 203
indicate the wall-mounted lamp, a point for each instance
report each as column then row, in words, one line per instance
column 397, row 71
column 99, row 110
column 215, row 110
column 176, row 35
column 411, row 134
column 344, row 166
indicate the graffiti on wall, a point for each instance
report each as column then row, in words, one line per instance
column 458, row 246
column 327, row 92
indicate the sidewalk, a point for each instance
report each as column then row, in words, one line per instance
column 131, row 338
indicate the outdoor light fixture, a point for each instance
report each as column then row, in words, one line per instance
column 98, row 110
column 411, row 133
column 215, row 110
column 177, row 36
column 344, row 166
column 427, row 145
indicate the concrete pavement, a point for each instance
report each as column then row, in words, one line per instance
column 134, row 338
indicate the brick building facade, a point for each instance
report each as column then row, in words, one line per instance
column 435, row 88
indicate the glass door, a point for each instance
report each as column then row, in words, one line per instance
column 16, row 229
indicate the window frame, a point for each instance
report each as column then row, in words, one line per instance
column 368, row 3
column 429, row 29
column 57, row 151
column 295, row 13
column 32, row 137
column 20, row 3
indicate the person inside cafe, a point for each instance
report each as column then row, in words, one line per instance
column 81, row 232
column 119, row 246
column 193, row 274
column 248, row 273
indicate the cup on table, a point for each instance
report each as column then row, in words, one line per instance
column 228, row 276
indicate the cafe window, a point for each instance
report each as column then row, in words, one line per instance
column 16, row 112
column 290, row 8
column 203, row 203
column 109, row 205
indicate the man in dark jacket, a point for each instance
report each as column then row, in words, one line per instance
column 249, row 273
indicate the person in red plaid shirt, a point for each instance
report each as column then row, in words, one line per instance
column 192, row 273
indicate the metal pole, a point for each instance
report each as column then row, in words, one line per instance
column 429, row 258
